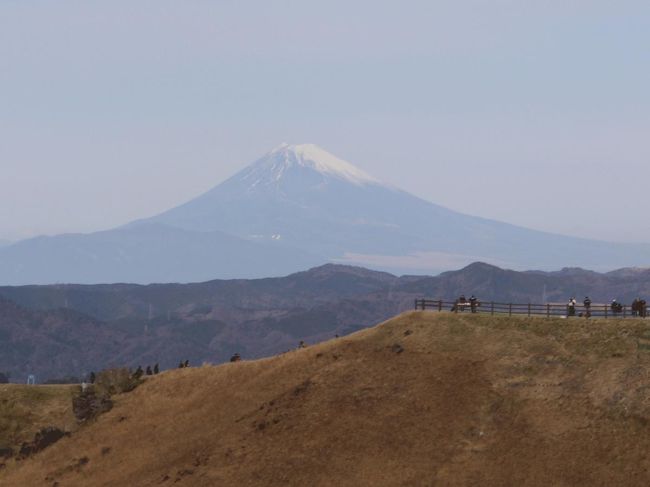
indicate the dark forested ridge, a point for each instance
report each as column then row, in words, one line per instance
column 60, row 330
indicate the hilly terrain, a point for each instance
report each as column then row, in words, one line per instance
column 296, row 207
column 68, row 330
column 423, row 399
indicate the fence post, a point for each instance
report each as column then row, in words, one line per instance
column 624, row 310
column 439, row 305
column 548, row 310
column 605, row 306
column 510, row 309
column 492, row 308
column 529, row 310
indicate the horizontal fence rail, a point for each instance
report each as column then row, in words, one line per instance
column 549, row 310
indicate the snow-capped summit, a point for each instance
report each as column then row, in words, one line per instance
column 300, row 206
column 274, row 165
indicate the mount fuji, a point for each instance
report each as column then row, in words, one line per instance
column 296, row 207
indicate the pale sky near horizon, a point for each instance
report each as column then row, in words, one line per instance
column 533, row 113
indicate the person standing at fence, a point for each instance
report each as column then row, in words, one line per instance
column 587, row 304
column 571, row 307
column 473, row 303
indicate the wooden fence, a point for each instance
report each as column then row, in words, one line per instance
column 529, row 309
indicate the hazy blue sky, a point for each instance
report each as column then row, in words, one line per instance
column 532, row 112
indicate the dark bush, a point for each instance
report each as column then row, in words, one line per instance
column 89, row 405
column 42, row 440
column 96, row 398
column 115, row 381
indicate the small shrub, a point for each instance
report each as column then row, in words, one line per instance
column 96, row 398
column 88, row 405
column 44, row 438
column 115, row 381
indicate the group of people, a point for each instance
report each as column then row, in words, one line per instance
column 638, row 308
column 571, row 307
column 462, row 302
column 148, row 371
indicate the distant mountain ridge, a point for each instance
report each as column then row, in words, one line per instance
column 297, row 207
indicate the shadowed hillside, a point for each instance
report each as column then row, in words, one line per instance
column 423, row 399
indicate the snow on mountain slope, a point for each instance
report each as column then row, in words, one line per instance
column 300, row 205
column 271, row 168
column 302, row 197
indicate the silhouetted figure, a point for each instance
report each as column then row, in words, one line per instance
column 149, row 371
column 473, row 302
column 91, row 378
column 301, row 344
column 460, row 304
column 138, row 372
column 587, row 304
column 156, row 369
column 235, row 358
column 571, row 307
column 186, row 364
column 181, row 364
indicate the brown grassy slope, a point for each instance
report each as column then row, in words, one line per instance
column 24, row 410
column 471, row 400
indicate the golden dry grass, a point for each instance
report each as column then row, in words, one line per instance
column 470, row 400
column 24, row 410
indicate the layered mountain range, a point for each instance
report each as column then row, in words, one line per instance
column 297, row 207
column 60, row 330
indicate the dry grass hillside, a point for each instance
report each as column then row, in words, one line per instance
column 24, row 410
column 425, row 399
